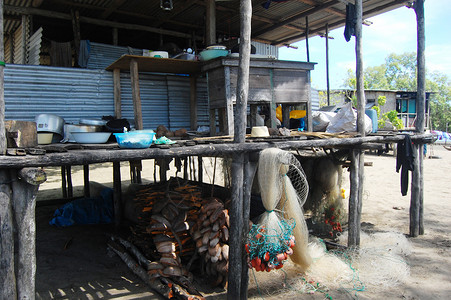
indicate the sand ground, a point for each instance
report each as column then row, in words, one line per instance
column 74, row 262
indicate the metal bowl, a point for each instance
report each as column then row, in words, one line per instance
column 50, row 123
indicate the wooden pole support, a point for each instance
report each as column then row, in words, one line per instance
column 24, row 204
column 7, row 274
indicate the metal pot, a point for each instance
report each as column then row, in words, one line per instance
column 50, row 123
column 68, row 128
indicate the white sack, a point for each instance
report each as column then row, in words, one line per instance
column 320, row 120
column 346, row 120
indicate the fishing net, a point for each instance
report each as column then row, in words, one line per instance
column 281, row 229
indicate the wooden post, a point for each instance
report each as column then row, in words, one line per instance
column 115, row 36
column 306, row 39
column 24, row 191
column 250, row 167
column 417, row 177
column 70, row 190
column 76, row 31
column 286, row 115
column 193, row 101
column 228, row 121
column 7, row 273
column 117, row 93
column 211, row 22
column 200, row 170
column 117, row 197
column 235, row 284
column 358, row 158
column 86, row 191
column 414, row 211
column 2, row 90
column 134, row 77
column 63, row 182
column 24, row 39
column 327, row 65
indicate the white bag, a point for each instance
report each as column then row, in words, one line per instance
column 320, row 120
column 346, row 120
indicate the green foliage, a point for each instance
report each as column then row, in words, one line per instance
column 381, row 100
column 400, row 73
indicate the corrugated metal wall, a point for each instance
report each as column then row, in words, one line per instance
column 68, row 92
column 314, row 95
column 81, row 93
column 103, row 55
column 266, row 49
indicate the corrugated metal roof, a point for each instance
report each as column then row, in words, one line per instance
column 280, row 23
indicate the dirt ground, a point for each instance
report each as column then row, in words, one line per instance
column 74, row 262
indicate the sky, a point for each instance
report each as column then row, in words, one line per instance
column 391, row 32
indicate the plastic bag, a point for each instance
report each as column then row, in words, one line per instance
column 320, row 120
column 346, row 120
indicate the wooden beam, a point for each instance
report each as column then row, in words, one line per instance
column 331, row 9
column 296, row 17
column 112, row 8
column 337, row 24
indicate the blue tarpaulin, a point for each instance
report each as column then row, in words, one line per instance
column 86, row 211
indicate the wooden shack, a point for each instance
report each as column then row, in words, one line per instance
column 20, row 176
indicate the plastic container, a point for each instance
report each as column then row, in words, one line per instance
column 373, row 116
column 213, row 53
column 45, row 138
column 134, row 140
column 91, row 137
column 160, row 54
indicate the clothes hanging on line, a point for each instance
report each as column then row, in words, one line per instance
column 405, row 157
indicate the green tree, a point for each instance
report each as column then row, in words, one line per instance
column 400, row 73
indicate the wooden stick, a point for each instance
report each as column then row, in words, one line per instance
column 142, row 260
column 156, row 285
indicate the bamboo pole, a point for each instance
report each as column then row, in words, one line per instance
column 235, row 288
column 417, row 177
column 358, row 158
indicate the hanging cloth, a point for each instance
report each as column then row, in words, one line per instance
column 83, row 57
column 404, row 160
column 60, row 54
column 351, row 21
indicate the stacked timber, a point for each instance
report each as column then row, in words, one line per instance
column 166, row 219
column 176, row 226
column 211, row 234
